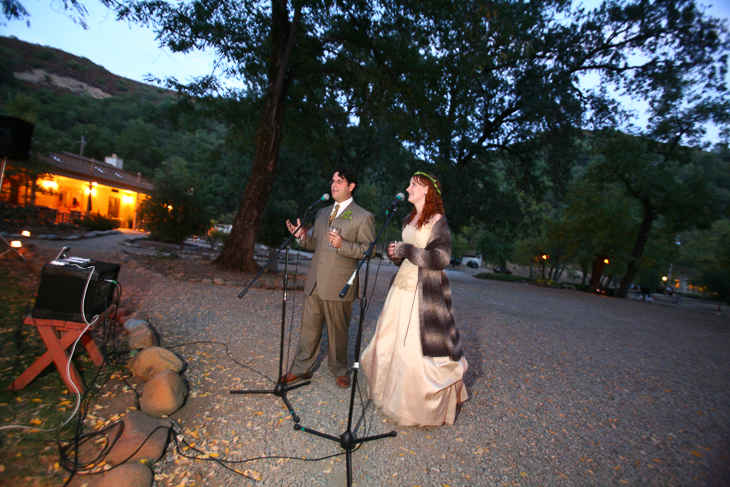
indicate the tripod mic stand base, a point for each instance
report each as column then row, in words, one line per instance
column 279, row 390
column 347, row 441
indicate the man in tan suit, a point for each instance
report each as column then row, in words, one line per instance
column 335, row 259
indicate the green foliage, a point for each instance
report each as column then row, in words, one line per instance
column 14, row 218
column 99, row 222
column 75, row 65
column 215, row 237
column 501, row 277
column 471, row 237
column 709, row 252
column 166, row 254
column 174, row 210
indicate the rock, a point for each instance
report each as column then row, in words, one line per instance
column 163, row 394
column 141, row 337
column 133, row 474
column 206, row 281
column 137, row 427
column 122, row 312
column 131, row 324
column 219, row 282
column 153, row 360
column 137, row 315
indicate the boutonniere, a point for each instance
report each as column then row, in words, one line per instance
column 347, row 215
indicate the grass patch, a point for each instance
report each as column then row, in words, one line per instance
column 29, row 457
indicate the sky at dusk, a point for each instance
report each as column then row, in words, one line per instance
column 131, row 51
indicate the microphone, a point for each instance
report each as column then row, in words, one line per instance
column 347, row 286
column 398, row 198
column 324, row 197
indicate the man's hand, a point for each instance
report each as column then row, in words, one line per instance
column 300, row 233
column 335, row 239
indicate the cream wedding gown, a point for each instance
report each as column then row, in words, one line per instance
column 408, row 387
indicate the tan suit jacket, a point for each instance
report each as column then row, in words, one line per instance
column 331, row 268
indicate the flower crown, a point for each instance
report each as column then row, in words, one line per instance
column 435, row 184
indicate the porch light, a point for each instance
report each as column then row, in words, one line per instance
column 50, row 185
column 605, row 261
column 545, row 257
column 127, row 199
column 25, row 233
column 16, row 244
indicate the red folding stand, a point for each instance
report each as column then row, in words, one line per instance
column 59, row 335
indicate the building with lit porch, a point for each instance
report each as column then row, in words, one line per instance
column 76, row 185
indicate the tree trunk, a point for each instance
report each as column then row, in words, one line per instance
column 597, row 273
column 633, row 266
column 238, row 251
column 553, row 269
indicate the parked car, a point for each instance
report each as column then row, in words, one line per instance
column 455, row 262
column 473, row 264
column 499, row 270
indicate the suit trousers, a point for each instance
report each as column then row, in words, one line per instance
column 316, row 313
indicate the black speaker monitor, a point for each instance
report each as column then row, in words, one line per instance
column 15, row 137
column 61, row 291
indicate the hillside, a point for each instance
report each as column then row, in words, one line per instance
column 40, row 67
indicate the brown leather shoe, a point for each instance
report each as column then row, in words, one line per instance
column 290, row 378
column 343, row 381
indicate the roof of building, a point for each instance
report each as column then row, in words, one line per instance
column 87, row 169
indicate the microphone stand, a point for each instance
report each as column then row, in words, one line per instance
column 281, row 388
column 348, row 440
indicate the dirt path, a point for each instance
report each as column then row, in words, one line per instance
column 566, row 388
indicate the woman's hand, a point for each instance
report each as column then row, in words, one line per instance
column 391, row 249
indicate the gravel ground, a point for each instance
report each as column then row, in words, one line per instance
column 566, row 389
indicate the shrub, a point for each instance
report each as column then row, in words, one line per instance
column 501, row 277
column 216, row 236
column 99, row 222
column 15, row 217
column 174, row 210
column 46, row 55
column 166, row 254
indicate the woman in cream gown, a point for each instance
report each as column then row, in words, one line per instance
column 414, row 387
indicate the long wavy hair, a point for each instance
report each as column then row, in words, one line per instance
column 433, row 205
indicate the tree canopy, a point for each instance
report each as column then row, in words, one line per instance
column 489, row 95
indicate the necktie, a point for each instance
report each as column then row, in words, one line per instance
column 334, row 214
